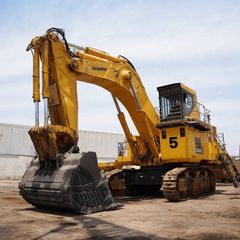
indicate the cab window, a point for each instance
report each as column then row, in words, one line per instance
column 188, row 103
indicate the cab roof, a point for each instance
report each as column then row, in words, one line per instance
column 181, row 85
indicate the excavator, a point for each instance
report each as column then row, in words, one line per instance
column 176, row 149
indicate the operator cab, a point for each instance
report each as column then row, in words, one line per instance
column 178, row 105
column 176, row 102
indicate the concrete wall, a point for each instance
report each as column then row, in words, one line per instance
column 14, row 140
column 13, row 167
column 17, row 151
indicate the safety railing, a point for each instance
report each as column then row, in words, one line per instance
column 221, row 140
column 181, row 112
column 122, row 148
column 204, row 113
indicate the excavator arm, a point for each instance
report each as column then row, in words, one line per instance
column 62, row 68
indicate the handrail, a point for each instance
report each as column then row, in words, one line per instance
column 176, row 112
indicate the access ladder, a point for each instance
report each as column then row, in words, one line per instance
column 227, row 162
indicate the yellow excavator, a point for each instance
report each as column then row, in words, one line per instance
column 176, row 147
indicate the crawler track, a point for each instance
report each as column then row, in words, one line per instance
column 188, row 182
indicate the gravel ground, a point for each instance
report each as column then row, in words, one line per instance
column 211, row 217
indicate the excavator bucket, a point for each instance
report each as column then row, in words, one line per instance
column 72, row 182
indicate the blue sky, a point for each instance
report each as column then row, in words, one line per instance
column 195, row 42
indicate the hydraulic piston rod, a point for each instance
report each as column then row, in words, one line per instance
column 45, row 111
column 36, row 114
column 126, row 129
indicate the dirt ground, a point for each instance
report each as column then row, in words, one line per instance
column 212, row 217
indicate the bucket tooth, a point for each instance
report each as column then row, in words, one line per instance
column 75, row 184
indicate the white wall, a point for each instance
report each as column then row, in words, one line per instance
column 13, row 167
column 104, row 144
column 16, row 148
column 14, row 140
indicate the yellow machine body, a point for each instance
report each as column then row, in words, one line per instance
column 186, row 144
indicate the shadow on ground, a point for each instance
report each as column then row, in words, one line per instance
column 98, row 229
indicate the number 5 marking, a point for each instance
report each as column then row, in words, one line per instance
column 173, row 142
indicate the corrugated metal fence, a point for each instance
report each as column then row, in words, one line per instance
column 104, row 144
column 15, row 141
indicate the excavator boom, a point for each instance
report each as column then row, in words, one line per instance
column 62, row 68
